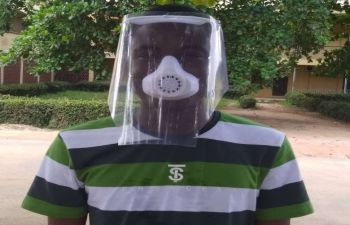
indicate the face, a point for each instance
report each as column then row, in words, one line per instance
column 189, row 44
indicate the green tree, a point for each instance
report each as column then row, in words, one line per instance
column 336, row 62
column 264, row 39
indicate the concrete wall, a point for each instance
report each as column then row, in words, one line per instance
column 306, row 81
column 6, row 40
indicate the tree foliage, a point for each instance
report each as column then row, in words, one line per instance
column 337, row 62
column 10, row 9
column 264, row 39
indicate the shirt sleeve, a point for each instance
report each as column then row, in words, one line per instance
column 282, row 193
column 55, row 191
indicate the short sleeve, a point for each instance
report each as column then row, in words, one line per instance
column 55, row 191
column 282, row 193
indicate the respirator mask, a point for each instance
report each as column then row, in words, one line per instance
column 170, row 81
column 169, row 75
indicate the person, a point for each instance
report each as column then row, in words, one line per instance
column 166, row 156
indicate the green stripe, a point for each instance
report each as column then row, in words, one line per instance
column 58, row 152
column 226, row 117
column 95, row 124
column 55, row 211
column 284, row 154
column 285, row 212
column 157, row 174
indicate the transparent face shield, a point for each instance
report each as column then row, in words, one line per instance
column 169, row 75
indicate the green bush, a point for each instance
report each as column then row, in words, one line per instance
column 69, row 113
column 330, row 97
column 296, row 98
column 310, row 103
column 247, row 101
column 24, row 89
column 92, row 86
column 50, row 113
column 52, row 87
column 4, row 96
column 58, row 86
column 337, row 110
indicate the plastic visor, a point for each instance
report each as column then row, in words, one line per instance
column 169, row 75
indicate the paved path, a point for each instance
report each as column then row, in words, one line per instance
column 328, row 180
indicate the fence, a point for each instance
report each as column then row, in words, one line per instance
column 18, row 73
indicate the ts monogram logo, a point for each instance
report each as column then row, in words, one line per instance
column 176, row 171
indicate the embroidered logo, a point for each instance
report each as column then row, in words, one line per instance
column 176, row 171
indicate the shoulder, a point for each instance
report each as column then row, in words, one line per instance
column 90, row 133
column 93, row 124
column 240, row 130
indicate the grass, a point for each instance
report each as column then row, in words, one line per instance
column 227, row 102
column 77, row 95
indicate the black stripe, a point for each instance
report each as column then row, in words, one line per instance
column 56, row 194
column 99, row 217
column 205, row 151
column 294, row 193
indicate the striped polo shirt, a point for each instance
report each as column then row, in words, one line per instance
column 238, row 172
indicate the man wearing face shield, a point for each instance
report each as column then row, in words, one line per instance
column 166, row 156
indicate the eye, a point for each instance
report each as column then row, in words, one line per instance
column 195, row 55
column 142, row 55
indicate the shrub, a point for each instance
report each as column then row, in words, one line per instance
column 51, row 87
column 25, row 111
column 296, row 98
column 247, row 101
column 50, row 113
column 92, row 86
column 24, row 89
column 330, row 97
column 310, row 103
column 69, row 113
column 58, row 86
column 337, row 110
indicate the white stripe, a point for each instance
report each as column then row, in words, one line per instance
column 172, row 198
column 59, row 174
column 90, row 137
column 244, row 134
column 285, row 174
column 104, row 136
column 222, row 131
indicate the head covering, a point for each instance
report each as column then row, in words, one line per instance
column 169, row 74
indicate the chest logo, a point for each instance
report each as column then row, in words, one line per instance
column 176, row 172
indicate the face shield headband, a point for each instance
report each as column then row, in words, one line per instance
column 169, row 75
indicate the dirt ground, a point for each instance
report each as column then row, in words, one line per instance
column 322, row 146
column 311, row 134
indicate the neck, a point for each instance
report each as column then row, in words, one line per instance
column 170, row 119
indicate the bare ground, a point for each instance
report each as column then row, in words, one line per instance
column 311, row 134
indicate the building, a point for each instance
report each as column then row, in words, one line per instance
column 303, row 78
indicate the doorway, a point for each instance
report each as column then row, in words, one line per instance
column 280, row 86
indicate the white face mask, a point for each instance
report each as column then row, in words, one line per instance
column 170, row 81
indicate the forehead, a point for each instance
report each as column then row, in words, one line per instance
column 170, row 33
